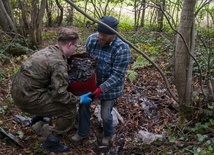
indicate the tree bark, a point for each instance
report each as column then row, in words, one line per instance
column 39, row 22
column 85, row 9
column 7, row 21
column 160, row 15
column 142, row 23
column 49, row 5
column 70, row 16
column 60, row 17
column 37, row 15
column 135, row 16
column 23, row 20
column 183, row 61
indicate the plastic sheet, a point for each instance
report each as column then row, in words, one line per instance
column 148, row 137
column 116, row 115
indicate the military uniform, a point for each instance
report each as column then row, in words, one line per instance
column 40, row 87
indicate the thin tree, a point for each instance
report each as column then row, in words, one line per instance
column 60, row 17
column 7, row 21
column 183, row 60
column 160, row 15
column 36, row 23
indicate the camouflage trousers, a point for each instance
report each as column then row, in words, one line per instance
column 44, row 105
column 65, row 115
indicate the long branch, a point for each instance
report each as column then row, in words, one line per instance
column 203, row 5
column 130, row 44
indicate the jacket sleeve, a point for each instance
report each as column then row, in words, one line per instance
column 59, row 85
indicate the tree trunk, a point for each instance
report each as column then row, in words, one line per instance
column 49, row 5
column 37, row 15
column 39, row 22
column 70, row 16
column 160, row 15
column 85, row 9
column 152, row 18
column 24, row 23
column 106, row 7
column 142, row 23
column 183, row 61
column 135, row 16
column 7, row 21
column 60, row 17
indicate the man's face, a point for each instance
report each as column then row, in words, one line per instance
column 105, row 39
column 71, row 47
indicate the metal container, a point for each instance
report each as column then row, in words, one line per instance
column 80, row 64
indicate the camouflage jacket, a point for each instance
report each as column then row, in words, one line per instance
column 45, row 72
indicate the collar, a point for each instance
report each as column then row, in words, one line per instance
column 113, row 40
column 60, row 48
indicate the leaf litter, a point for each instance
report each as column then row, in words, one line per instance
column 145, row 106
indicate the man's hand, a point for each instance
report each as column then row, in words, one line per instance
column 96, row 93
column 85, row 98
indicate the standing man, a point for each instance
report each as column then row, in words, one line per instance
column 112, row 58
column 40, row 87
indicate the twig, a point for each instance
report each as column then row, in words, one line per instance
column 204, row 4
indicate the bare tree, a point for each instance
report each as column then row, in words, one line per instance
column 37, row 21
column 137, row 13
column 183, row 60
column 7, row 21
column 60, row 17
column 70, row 16
column 160, row 15
column 142, row 23
column 24, row 22
column 184, row 56
column 32, row 19
column 49, row 13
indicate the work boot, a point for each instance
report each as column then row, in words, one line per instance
column 36, row 119
column 76, row 138
column 107, row 140
column 52, row 144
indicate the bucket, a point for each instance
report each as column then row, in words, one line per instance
column 79, row 86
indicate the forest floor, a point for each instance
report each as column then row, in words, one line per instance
column 145, row 106
column 148, row 89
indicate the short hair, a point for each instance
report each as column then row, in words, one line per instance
column 67, row 35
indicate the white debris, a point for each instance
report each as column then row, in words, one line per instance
column 148, row 137
column 116, row 115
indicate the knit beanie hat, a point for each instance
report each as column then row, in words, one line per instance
column 110, row 21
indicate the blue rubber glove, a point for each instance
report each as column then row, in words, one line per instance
column 85, row 98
